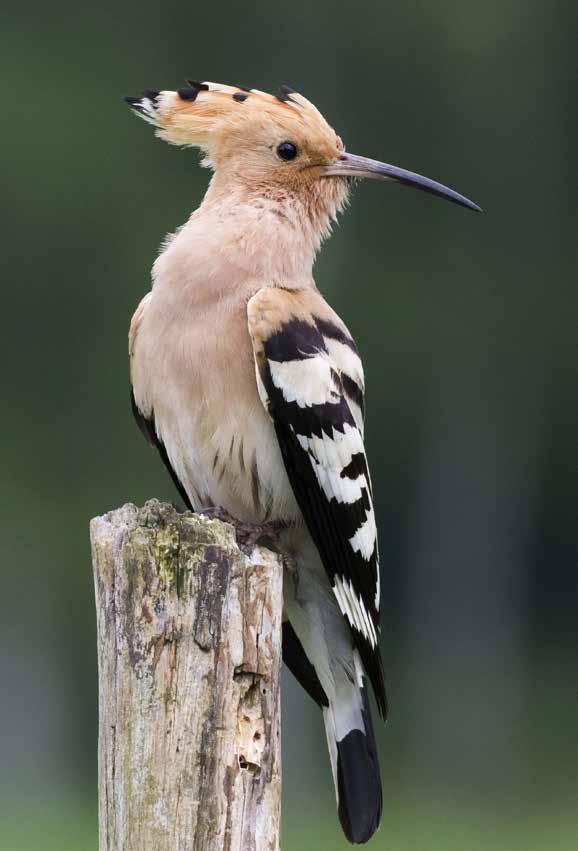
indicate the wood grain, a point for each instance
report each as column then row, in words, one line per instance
column 189, row 653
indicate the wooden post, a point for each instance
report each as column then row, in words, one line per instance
column 189, row 654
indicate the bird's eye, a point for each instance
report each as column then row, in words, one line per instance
column 287, row 151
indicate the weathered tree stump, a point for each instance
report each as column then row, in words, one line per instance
column 189, row 654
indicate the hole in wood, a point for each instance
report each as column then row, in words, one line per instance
column 241, row 673
column 245, row 765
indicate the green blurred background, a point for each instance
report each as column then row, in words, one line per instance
column 467, row 325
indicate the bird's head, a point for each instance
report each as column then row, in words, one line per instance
column 276, row 145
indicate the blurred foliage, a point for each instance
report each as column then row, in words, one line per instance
column 467, row 325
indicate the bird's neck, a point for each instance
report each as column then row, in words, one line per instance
column 268, row 233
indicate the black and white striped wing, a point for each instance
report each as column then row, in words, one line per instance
column 310, row 380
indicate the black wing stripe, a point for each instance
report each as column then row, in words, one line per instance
column 356, row 467
column 353, row 391
column 297, row 340
column 147, row 426
column 328, row 329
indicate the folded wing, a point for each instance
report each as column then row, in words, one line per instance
column 310, row 380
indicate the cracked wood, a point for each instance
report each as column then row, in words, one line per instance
column 189, row 651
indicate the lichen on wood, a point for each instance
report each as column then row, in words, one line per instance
column 189, row 650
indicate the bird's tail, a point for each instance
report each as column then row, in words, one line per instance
column 354, row 761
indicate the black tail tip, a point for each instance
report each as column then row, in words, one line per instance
column 359, row 787
column 360, row 826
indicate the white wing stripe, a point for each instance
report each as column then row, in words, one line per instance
column 328, row 474
column 307, row 382
column 343, row 601
column 346, row 444
column 352, row 607
column 345, row 359
column 364, row 539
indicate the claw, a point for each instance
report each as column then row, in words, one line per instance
column 251, row 535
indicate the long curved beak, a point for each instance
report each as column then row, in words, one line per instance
column 350, row 165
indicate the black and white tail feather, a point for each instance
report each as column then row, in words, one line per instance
column 311, row 382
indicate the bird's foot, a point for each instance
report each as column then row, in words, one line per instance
column 249, row 535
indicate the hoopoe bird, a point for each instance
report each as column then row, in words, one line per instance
column 252, row 389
